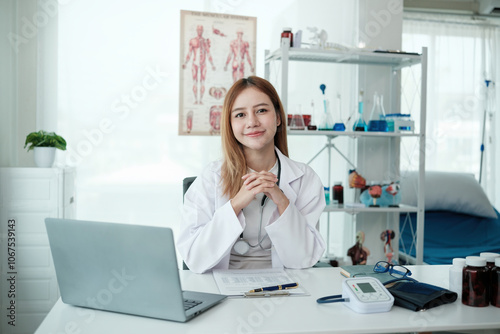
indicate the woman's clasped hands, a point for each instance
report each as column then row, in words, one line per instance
column 260, row 182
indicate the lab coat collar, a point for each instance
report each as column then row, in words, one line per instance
column 289, row 173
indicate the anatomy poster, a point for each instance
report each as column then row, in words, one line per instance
column 216, row 50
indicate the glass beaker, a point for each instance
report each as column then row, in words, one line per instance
column 377, row 116
column 339, row 125
column 297, row 122
column 360, row 124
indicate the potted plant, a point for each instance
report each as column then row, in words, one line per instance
column 44, row 146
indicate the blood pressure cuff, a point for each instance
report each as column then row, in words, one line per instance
column 418, row 296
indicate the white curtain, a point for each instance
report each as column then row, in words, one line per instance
column 462, row 57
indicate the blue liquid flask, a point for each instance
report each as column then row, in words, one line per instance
column 360, row 124
column 377, row 118
column 339, row 125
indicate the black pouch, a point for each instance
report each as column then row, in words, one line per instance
column 417, row 296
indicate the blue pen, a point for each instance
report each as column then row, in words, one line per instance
column 276, row 287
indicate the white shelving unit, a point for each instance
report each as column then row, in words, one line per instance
column 394, row 61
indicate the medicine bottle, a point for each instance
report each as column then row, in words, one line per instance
column 327, row 195
column 495, row 282
column 475, row 282
column 456, row 276
column 287, row 33
column 338, row 192
column 490, row 258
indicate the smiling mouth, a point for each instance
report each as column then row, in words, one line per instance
column 255, row 134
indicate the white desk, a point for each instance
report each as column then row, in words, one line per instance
column 299, row 314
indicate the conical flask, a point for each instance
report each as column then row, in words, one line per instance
column 339, row 125
column 377, row 116
column 360, row 124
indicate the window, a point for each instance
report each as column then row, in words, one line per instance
column 461, row 58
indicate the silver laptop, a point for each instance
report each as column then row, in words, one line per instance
column 122, row 268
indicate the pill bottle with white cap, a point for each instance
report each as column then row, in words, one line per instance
column 475, row 282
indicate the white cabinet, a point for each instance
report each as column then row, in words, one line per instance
column 28, row 286
column 388, row 161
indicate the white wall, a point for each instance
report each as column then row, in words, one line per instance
column 18, row 56
column 8, row 82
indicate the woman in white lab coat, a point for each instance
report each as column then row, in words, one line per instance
column 256, row 208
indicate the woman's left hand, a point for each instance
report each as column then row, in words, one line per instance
column 265, row 182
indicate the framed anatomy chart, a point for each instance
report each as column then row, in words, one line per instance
column 215, row 51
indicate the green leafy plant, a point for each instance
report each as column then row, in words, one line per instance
column 44, row 139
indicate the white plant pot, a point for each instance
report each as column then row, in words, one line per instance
column 44, row 156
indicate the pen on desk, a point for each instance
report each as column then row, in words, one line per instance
column 276, row 293
column 276, row 287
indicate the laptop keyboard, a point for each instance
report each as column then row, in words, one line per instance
column 189, row 303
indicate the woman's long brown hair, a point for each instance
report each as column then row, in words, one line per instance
column 234, row 165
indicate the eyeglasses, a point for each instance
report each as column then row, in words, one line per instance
column 394, row 271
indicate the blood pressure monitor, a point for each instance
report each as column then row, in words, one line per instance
column 366, row 295
column 363, row 295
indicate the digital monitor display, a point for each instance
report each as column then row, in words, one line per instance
column 366, row 287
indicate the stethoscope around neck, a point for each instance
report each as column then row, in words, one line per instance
column 242, row 246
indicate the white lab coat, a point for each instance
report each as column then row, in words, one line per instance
column 210, row 227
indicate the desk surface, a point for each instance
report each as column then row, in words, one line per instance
column 299, row 314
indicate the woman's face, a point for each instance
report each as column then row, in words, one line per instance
column 254, row 120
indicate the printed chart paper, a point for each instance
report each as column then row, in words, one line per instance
column 215, row 51
column 237, row 282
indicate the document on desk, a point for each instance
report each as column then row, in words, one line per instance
column 239, row 281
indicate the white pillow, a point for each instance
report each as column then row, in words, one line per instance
column 457, row 192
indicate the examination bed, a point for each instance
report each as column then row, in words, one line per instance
column 459, row 219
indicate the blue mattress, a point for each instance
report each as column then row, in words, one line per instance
column 448, row 235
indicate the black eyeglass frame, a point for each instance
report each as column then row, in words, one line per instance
column 389, row 267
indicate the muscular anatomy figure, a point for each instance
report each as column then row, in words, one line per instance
column 238, row 49
column 199, row 45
